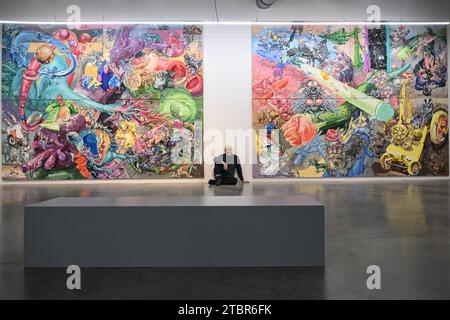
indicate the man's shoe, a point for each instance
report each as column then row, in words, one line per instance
column 218, row 180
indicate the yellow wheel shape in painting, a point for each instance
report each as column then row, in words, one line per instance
column 439, row 127
column 414, row 168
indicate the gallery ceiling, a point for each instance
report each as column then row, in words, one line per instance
column 227, row 10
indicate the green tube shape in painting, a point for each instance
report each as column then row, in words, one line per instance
column 377, row 108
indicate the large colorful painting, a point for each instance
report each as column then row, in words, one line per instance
column 349, row 101
column 102, row 102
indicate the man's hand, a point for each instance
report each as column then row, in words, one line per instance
column 225, row 166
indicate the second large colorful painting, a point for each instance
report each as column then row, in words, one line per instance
column 348, row 101
column 102, row 102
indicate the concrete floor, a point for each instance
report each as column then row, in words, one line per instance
column 404, row 227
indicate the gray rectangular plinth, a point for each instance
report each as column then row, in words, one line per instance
column 175, row 231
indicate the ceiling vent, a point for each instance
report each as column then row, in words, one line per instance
column 265, row 4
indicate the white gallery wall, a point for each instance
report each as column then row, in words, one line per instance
column 227, row 48
column 227, row 93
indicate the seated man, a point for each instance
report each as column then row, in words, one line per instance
column 225, row 166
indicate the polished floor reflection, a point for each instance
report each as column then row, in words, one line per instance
column 403, row 227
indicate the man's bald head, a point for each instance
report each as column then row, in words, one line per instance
column 228, row 149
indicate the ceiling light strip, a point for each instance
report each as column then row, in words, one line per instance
column 262, row 23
